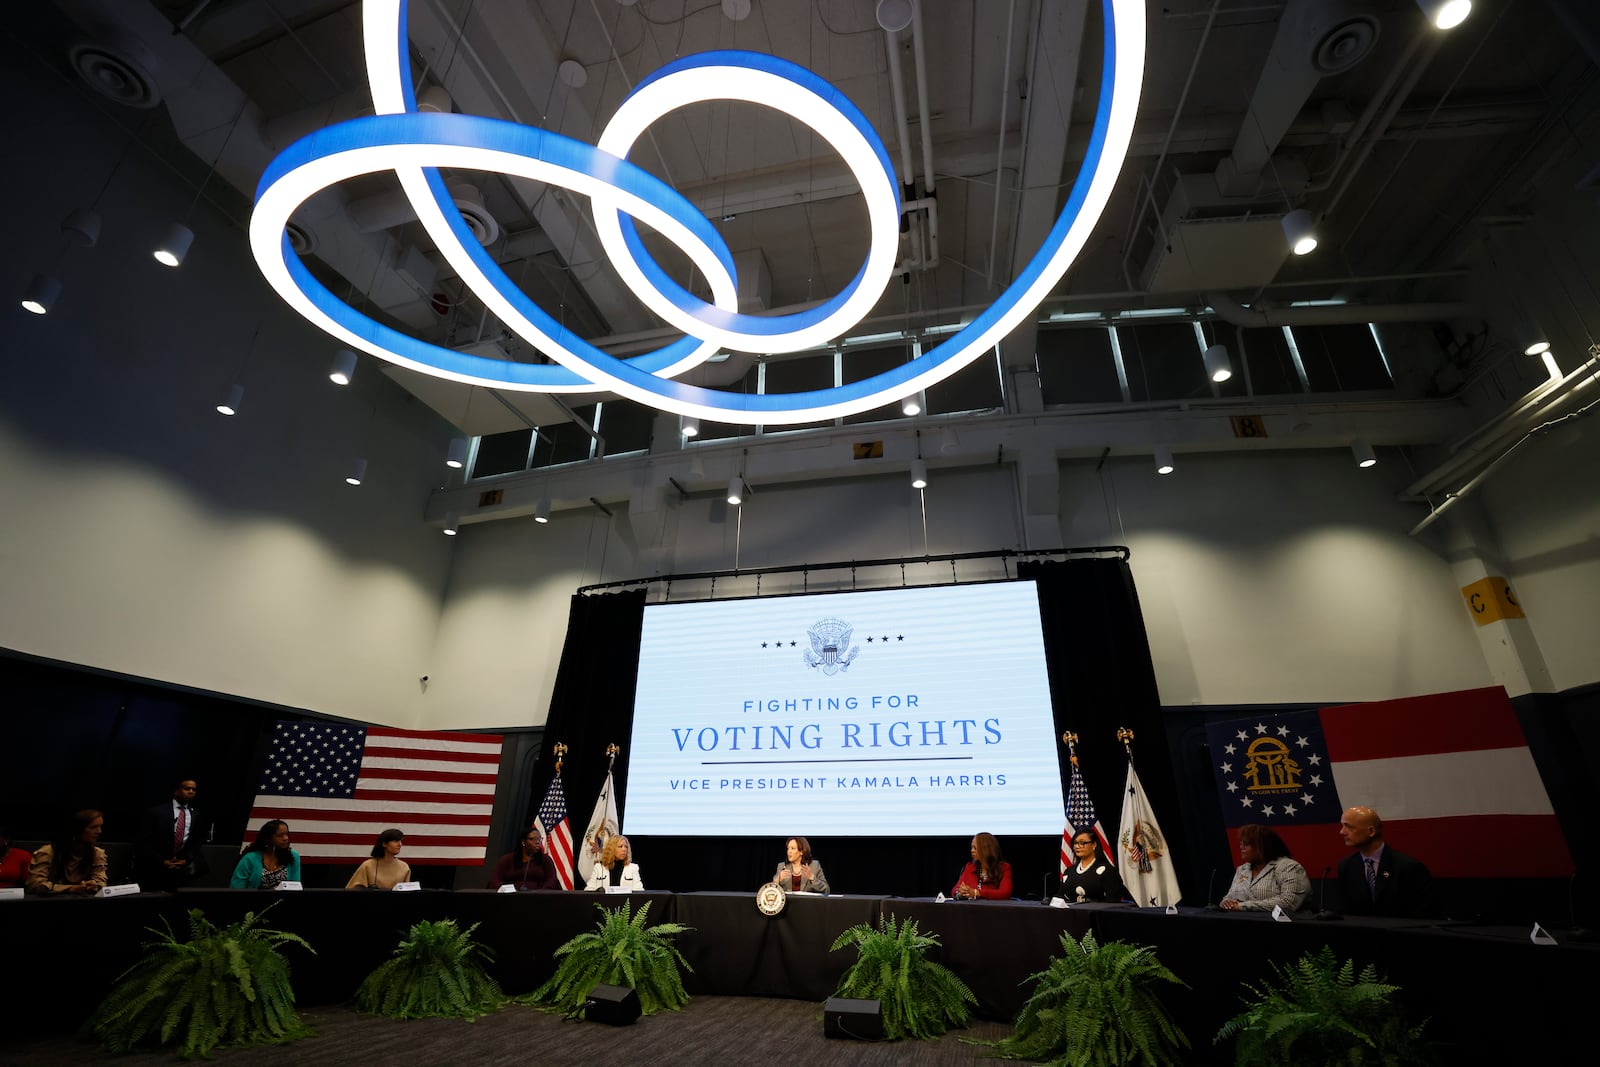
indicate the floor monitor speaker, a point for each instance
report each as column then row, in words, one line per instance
column 860, row 1019
column 613, row 1005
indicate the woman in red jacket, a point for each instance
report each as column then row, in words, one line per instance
column 988, row 876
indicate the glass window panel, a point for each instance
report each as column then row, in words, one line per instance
column 1076, row 367
column 563, row 442
column 799, row 375
column 626, row 426
column 502, row 453
column 975, row 387
column 1341, row 358
column 1163, row 361
column 856, row 364
column 1266, row 352
column 721, row 431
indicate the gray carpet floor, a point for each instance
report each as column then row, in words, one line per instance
column 710, row 1031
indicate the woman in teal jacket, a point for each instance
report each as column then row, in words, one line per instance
column 269, row 862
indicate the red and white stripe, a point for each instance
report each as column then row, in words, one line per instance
column 437, row 787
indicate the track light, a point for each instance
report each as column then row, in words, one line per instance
column 1531, row 337
column 1218, row 366
column 736, row 490
column 1164, row 460
column 41, row 294
column 912, row 405
column 1446, row 14
column 541, row 514
column 230, row 402
column 83, row 226
column 344, row 367
column 919, row 474
column 690, row 427
column 452, row 523
column 174, row 245
column 1299, row 231
column 358, row 473
column 1365, row 457
column 456, row 456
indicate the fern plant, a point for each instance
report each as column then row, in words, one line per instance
column 227, row 986
column 435, row 972
column 919, row 998
column 1098, row 1005
column 1321, row 1011
column 621, row 950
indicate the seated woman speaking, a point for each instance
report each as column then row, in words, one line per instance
column 1267, row 878
column 269, row 861
column 385, row 869
column 988, row 876
column 615, row 867
column 800, row 872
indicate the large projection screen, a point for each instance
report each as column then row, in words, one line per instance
column 911, row 712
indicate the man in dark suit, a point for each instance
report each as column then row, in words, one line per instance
column 1376, row 879
column 168, row 850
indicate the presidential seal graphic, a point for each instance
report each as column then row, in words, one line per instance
column 829, row 639
column 770, row 899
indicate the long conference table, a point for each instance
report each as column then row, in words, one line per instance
column 1490, row 993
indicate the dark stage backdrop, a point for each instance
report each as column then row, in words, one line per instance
column 1101, row 677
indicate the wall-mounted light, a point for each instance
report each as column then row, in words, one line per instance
column 174, row 245
column 919, row 474
column 41, row 294
column 231, row 400
column 358, row 473
column 1164, row 463
column 1446, row 14
column 1365, row 457
column 1532, row 338
column 690, row 427
column 736, row 490
column 344, row 367
column 911, row 405
column 1300, row 231
column 541, row 514
column 1218, row 367
column 455, row 456
column 452, row 523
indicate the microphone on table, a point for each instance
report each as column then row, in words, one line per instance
column 1211, row 892
column 1322, row 897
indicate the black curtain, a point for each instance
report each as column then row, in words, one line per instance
column 591, row 705
column 1102, row 677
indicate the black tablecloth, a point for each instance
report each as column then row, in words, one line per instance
column 735, row 950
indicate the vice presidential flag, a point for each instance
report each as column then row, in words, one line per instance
column 1081, row 816
column 1146, row 866
column 339, row 786
column 1446, row 773
column 556, row 831
column 602, row 824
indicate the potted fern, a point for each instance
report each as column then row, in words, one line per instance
column 919, row 998
column 227, row 986
column 621, row 950
column 435, row 972
column 1320, row 1011
column 1098, row 1005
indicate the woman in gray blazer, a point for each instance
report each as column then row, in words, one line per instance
column 800, row 873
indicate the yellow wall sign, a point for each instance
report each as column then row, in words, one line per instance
column 1490, row 600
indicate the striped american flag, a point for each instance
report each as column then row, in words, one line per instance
column 1081, row 816
column 556, row 830
column 339, row 786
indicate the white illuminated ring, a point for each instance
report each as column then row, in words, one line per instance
column 413, row 145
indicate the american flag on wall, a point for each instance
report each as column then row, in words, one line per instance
column 556, row 830
column 1081, row 816
column 339, row 786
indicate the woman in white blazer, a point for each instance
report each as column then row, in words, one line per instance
column 615, row 866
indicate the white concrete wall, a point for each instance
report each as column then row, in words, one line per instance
column 144, row 533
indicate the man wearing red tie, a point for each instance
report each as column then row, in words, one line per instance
column 168, row 849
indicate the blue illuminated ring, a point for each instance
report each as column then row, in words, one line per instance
column 413, row 145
